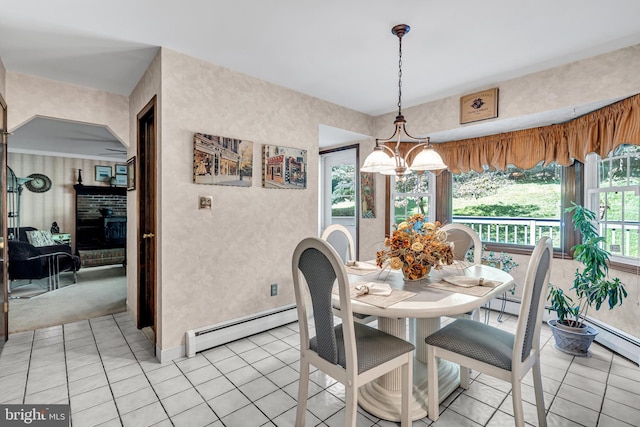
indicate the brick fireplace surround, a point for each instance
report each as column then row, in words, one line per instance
column 100, row 239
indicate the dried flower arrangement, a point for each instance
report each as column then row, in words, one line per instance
column 416, row 246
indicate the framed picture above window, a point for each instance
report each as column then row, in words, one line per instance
column 103, row 173
column 479, row 106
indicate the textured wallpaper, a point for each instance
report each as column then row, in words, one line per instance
column 29, row 96
column 602, row 77
column 218, row 264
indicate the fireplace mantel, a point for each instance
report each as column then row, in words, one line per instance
column 96, row 189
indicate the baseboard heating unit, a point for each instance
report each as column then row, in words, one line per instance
column 197, row 340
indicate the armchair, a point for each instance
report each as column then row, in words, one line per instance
column 29, row 262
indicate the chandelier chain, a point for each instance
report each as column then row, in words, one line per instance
column 391, row 161
column 400, row 75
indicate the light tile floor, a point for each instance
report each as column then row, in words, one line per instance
column 106, row 369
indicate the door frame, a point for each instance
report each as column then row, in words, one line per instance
column 146, row 201
column 4, row 248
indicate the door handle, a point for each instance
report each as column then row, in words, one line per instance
column 148, row 235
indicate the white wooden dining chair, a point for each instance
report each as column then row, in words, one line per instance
column 496, row 352
column 340, row 238
column 351, row 353
column 463, row 238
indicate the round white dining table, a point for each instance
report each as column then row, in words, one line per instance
column 382, row 397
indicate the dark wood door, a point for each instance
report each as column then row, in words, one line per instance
column 146, row 186
column 4, row 283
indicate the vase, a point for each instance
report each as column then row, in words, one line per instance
column 415, row 271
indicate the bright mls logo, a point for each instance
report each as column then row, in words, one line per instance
column 34, row 415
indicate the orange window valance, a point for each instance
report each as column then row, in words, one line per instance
column 599, row 132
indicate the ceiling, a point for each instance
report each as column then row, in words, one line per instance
column 339, row 51
column 46, row 136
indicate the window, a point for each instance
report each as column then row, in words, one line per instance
column 514, row 207
column 412, row 195
column 613, row 192
column 343, row 192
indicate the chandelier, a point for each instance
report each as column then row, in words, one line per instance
column 386, row 161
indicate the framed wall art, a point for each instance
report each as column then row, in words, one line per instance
column 479, row 106
column 220, row 160
column 103, row 173
column 121, row 180
column 367, row 194
column 131, row 174
column 284, row 167
column 121, row 169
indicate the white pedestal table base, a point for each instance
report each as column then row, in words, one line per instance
column 383, row 397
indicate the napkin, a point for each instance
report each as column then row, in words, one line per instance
column 467, row 282
column 373, row 288
column 361, row 265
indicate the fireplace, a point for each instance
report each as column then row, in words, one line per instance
column 101, row 217
column 115, row 230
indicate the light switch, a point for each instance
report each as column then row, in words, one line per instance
column 205, row 202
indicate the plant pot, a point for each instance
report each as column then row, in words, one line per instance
column 570, row 340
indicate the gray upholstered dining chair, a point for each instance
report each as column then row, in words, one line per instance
column 352, row 353
column 496, row 352
column 340, row 238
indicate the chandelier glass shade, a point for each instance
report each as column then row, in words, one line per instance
column 389, row 161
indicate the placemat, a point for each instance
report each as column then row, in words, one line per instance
column 476, row 291
column 397, row 295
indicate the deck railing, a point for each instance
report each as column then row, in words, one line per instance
column 623, row 239
column 515, row 231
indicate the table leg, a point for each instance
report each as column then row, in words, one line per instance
column 382, row 397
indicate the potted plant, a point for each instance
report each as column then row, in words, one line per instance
column 592, row 287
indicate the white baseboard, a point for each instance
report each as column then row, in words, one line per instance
column 169, row 354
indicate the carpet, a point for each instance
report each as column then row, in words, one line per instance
column 99, row 291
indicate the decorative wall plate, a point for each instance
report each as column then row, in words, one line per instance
column 39, row 184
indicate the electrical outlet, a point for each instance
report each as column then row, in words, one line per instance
column 274, row 289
